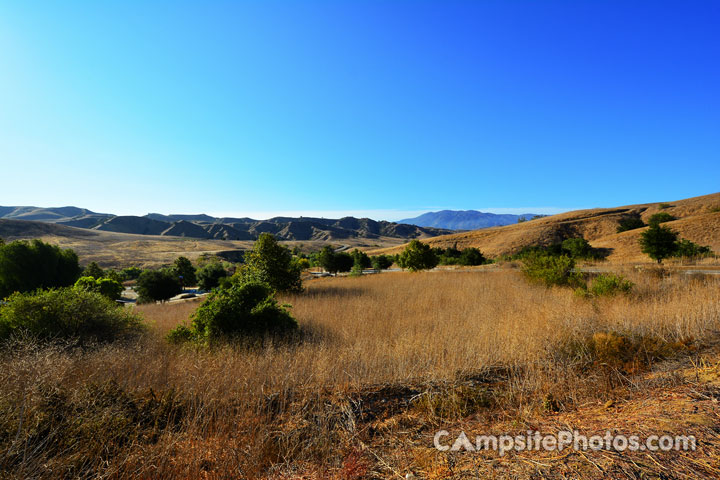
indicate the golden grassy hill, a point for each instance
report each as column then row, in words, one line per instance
column 698, row 220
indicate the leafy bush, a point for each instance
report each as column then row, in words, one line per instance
column 471, row 256
column 107, row 287
column 93, row 270
column 418, row 256
column 157, row 285
column 26, row 266
column 551, row 270
column 242, row 309
column 660, row 217
column 130, row 273
column 381, row 262
column 271, row 263
column 630, row 223
column 209, row 276
column 66, row 313
column 302, row 263
column 686, row 248
column 609, row 284
column 658, row 242
column 577, row 248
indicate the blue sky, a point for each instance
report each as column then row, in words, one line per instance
column 376, row 108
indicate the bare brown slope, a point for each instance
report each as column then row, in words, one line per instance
column 696, row 221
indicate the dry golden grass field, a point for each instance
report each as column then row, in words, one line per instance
column 698, row 220
column 383, row 362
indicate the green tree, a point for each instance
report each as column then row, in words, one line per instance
column 381, row 262
column 93, row 270
column 209, row 276
column 327, row 259
column 660, row 217
column 658, row 242
column 418, row 256
column 471, row 256
column 157, row 285
column 271, row 263
column 361, row 260
column 242, row 309
column 26, row 266
column 185, row 271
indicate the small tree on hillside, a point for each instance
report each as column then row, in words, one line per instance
column 660, row 217
column 658, row 242
column 577, row 247
column 630, row 223
column 185, row 270
column 418, row 256
column 271, row 263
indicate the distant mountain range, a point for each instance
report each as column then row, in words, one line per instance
column 465, row 219
column 207, row 227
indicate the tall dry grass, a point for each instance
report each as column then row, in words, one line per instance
column 369, row 345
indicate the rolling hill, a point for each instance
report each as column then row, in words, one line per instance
column 205, row 227
column 697, row 219
column 465, row 219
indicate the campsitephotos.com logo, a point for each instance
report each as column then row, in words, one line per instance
column 535, row 441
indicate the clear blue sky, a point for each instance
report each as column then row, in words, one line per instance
column 369, row 107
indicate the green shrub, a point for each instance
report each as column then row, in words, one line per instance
column 471, row 256
column 609, row 284
column 110, row 288
column 26, row 266
column 551, row 270
column 686, row 248
column 66, row 313
column 576, row 248
column 630, row 223
column 241, row 310
column 130, row 273
column 209, row 276
column 157, row 285
column 660, row 217
column 93, row 270
column 418, row 256
column 107, row 287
